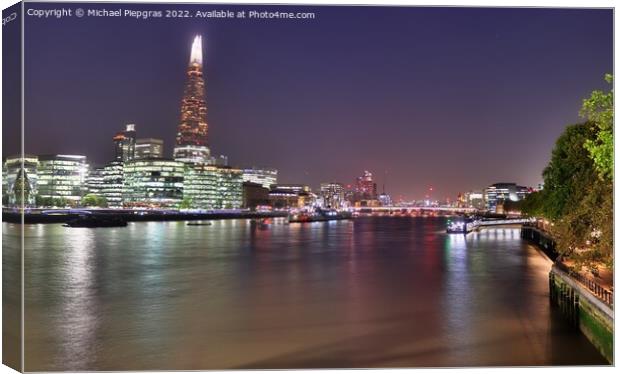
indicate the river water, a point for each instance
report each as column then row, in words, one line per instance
column 372, row 292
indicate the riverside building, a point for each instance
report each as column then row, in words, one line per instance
column 265, row 177
column 113, row 182
column 94, row 181
column 333, row 195
column 212, row 187
column 15, row 180
column 153, row 183
column 62, row 177
column 500, row 192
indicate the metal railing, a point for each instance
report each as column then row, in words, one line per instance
column 602, row 293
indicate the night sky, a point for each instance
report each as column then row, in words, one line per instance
column 456, row 98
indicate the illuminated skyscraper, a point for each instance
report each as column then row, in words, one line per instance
column 365, row 188
column 191, row 139
column 125, row 143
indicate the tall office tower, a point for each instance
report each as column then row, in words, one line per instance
column 191, row 139
column 125, row 143
column 365, row 188
column 94, row 180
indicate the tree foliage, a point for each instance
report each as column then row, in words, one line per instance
column 49, row 202
column 569, row 169
column 186, row 203
column 599, row 109
column 575, row 199
column 94, row 200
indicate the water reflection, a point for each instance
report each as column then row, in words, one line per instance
column 374, row 292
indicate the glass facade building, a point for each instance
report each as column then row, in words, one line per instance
column 94, row 181
column 125, row 143
column 153, row 183
column 333, row 195
column 149, row 148
column 499, row 192
column 15, row 180
column 265, row 177
column 62, row 177
column 212, row 187
column 112, row 188
column 365, row 187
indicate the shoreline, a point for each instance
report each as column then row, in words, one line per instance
column 136, row 216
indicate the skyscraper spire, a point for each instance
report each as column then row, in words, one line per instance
column 191, row 139
column 196, row 55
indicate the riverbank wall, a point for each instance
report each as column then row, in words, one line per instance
column 594, row 318
column 136, row 216
column 585, row 306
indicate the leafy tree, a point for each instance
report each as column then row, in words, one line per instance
column 576, row 199
column 599, row 108
column 532, row 204
column 94, row 200
column 59, row 202
column 186, row 203
column 568, row 172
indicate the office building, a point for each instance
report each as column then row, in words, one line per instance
column 149, row 148
column 212, row 187
column 500, row 192
column 265, row 177
column 254, row 195
column 365, row 187
column 113, row 181
column 475, row 199
column 296, row 188
column 152, row 183
column 62, row 177
column 125, row 144
column 333, row 195
column 20, row 182
column 94, row 181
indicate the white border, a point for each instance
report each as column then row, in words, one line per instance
column 462, row 3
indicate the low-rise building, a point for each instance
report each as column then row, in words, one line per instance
column 499, row 192
column 254, row 195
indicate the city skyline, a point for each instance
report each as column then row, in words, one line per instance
column 252, row 114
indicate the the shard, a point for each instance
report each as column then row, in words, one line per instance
column 191, row 140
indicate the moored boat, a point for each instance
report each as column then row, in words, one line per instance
column 96, row 221
column 319, row 215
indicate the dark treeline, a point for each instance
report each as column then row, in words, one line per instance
column 577, row 197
